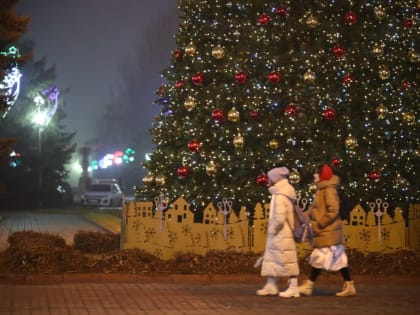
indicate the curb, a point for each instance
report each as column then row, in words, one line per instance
column 127, row 278
column 41, row 279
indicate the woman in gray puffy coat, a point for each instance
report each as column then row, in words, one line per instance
column 280, row 257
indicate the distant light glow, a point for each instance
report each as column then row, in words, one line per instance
column 77, row 168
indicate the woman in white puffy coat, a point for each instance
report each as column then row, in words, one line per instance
column 280, row 257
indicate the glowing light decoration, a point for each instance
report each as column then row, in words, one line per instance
column 10, row 86
column 14, row 159
column 43, row 115
column 106, row 161
column 117, row 158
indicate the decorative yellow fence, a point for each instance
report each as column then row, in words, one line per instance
column 165, row 232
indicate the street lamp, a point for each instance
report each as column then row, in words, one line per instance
column 46, row 106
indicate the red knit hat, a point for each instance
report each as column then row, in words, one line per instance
column 326, row 173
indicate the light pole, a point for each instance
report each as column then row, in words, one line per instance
column 39, row 118
column 46, row 106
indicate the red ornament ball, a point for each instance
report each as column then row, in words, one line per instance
column 350, row 18
column 329, row 113
column 217, row 115
column 291, row 110
column 240, row 77
column 338, row 51
column 254, row 114
column 347, row 79
column 177, row 55
column 161, row 91
column 274, row 77
column 194, row 145
column 182, row 171
column 335, row 162
column 282, row 11
column 408, row 23
column 375, row 175
column 179, row 84
column 406, row 85
column 262, row 179
column 263, row 19
column 198, row 79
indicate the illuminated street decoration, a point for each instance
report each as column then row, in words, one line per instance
column 113, row 159
column 44, row 115
column 10, row 86
column 14, row 159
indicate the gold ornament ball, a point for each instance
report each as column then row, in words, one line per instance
column 148, row 180
column 274, row 144
column 409, row 118
column 379, row 12
column 160, row 180
column 233, row 115
column 294, row 176
column 218, row 52
column 312, row 21
column 377, row 50
column 400, row 181
column 190, row 103
column 309, row 76
column 190, row 49
column 413, row 56
column 381, row 111
column 351, row 142
column 211, row 168
column 312, row 188
column 238, row 141
column 384, row 73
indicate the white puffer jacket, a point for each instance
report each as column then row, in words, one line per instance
column 280, row 258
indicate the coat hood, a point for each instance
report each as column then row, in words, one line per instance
column 283, row 186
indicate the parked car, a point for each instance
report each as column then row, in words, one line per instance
column 102, row 193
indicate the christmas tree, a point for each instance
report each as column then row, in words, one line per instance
column 258, row 84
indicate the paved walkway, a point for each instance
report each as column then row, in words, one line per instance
column 100, row 294
column 65, row 225
column 130, row 294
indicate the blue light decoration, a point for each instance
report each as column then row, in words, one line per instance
column 113, row 159
column 10, row 86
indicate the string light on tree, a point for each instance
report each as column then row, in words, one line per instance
column 284, row 83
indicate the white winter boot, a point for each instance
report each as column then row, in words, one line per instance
column 270, row 287
column 307, row 287
column 348, row 289
column 292, row 290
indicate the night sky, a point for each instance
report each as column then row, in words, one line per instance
column 89, row 41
